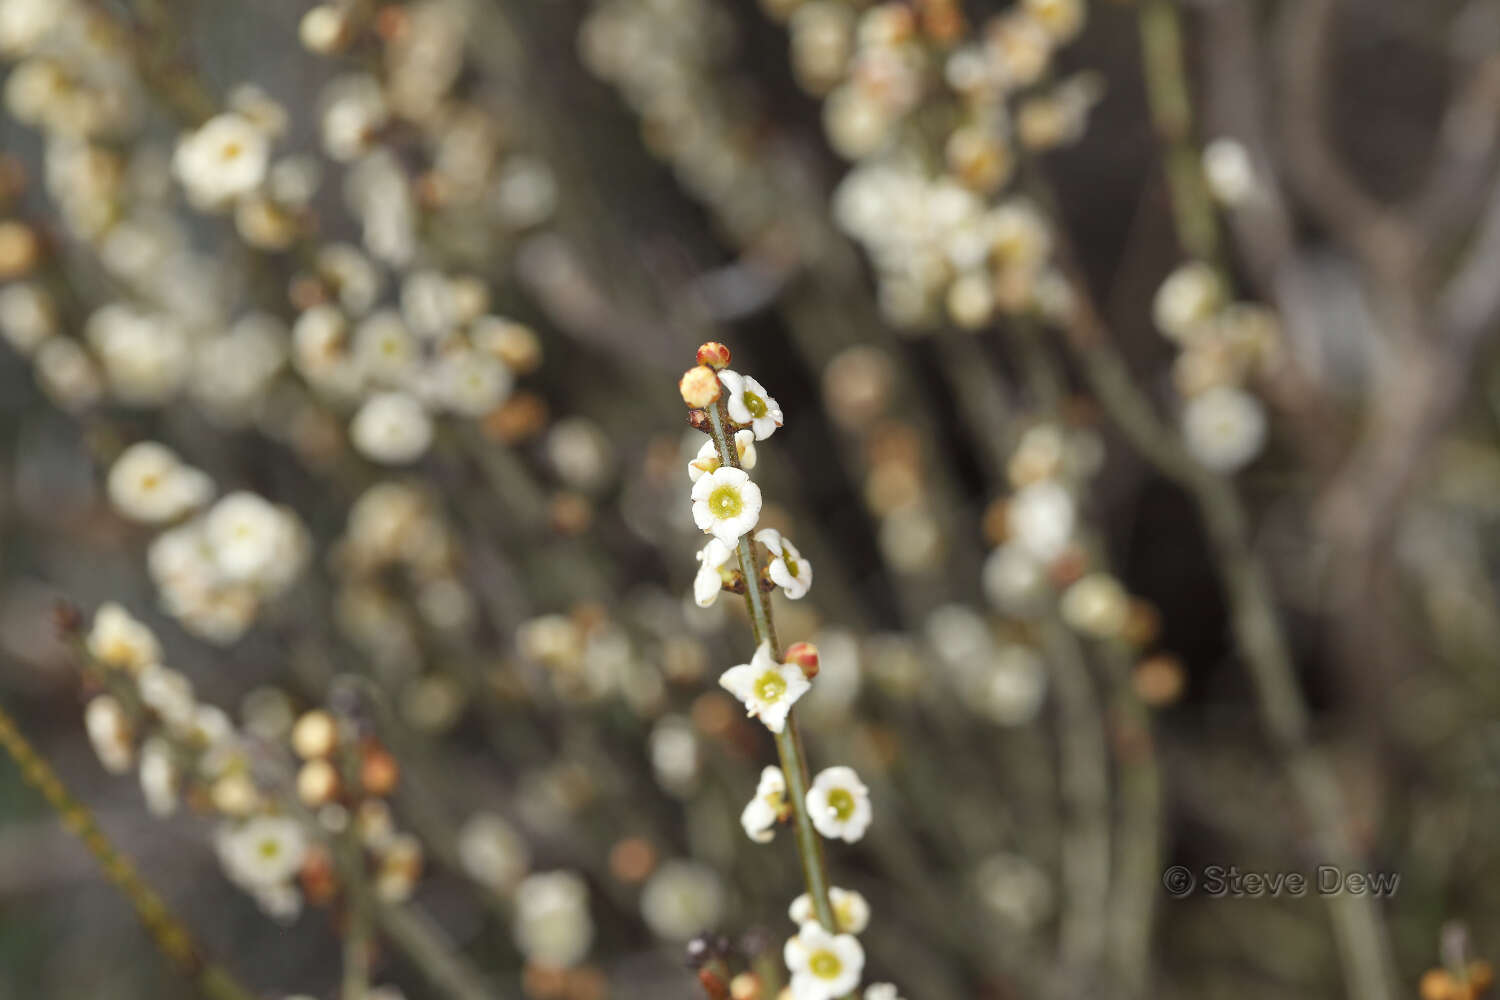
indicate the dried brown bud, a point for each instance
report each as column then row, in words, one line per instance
column 698, row 420
column 805, row 655
column 699, row 387
column 632, row 860
column 19, row 249
column 1158, row 680
column 378, row 771
column 714, row 354
column 67, row 618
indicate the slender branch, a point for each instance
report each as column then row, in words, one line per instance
column 170, row 935
column 789, row 740
column 425, row 944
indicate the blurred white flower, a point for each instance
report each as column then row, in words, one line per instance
column 749, row 403
column 470, row 383
column 1040, row 518
column 159, row 777
column 851, row 912
column 1096, row 605
column 263, row 851
column 391, row 428
column 225, row 158
column 149, row 483
column 1014, row 581
column 1224, row 427
column 1010, row 685
column 145, row 357
column 492, row 852
column 726, row 504
column 709, row 581
column 1228, row 170
column 169, row 695
column 768, row 689
column 881, row 991
column 787, row 568
column 764, row 811
column 823, row 965
column 839, row 804
column 109, row 733
column 1187, row 300
column 252, row 540
column 683, row 898
column 118, row 640
column 552, row 923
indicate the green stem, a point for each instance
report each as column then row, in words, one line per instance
column 789, row 740
column 169, row 934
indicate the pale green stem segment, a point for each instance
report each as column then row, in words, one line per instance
column 788, row 741
column 168, row 933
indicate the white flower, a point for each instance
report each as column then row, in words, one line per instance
column 391, row 428
column 710, row 580
column 707, row 459
column 881, row 991
column 1097, row 605
column 851, row 913
column 1040, row 518
column 222, row 160
column 492, row 852
column 470, row 383
column 764, row 811
column 749, row 403
column 1013, row 580
column 159, row 777
column 823, row 965
column 149, row 483
column 1224, row 427
column 793, row 573
column 169, row 695
column 1009, row 686
column 839, row 804
column 118, row 640
column 109, row 732
column 683, row 898
column 384, row 349
column 1187, row 300
column 552, row 923
column 262, row 852
column 726, row 504
column 767, row 688
column 248, row 537
column 1228, row 170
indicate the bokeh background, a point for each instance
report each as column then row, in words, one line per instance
column 1295, row 668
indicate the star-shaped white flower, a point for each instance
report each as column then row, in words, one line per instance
column 767, row 688
column 787, row 567
column 851, row 913
column 839, row 804
column 707, row 459
column 823, row 965
column 749, row 403
column 762, row 813
column 710, row 580
column 726, row 504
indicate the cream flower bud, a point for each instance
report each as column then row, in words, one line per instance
column 1224, row 428
column 699, row 387
column 315, row 735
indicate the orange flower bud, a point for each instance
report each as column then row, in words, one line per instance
column 805, row 655
column 713, row 354
column 378, row 771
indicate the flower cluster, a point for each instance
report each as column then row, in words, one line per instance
column 824, row 961
column 1223, row 344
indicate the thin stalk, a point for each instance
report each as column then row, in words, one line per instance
column 789, row 740
column 168, row 933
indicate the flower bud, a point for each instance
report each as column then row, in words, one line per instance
column 317, row 782
column 324, row 29
column 700, row 387
column 315, row 735
column 805, row 655
column 378, row 771
column 698, row 421
column 713, row 354
column 745, row 986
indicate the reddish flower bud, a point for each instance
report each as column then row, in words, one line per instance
column 714, row 354
column 805, row 655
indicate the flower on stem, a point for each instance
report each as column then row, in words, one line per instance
column 711, row 577
column 118, row 640
column 851, row 913
column 749, row 403
column 1224, row 427
column 222, row 160
column 726, row 504
column 707, row 459
column 767, row 808
column 839, row 804
column 109, row 733
column 787, row 568
column 699, row 387
column 823, row 965
column 149, row 483
column 767, row 688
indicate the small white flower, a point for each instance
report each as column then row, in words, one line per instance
column 251, row 539
column 709, row 582
column 749, row 403
column 683, row 898
column 223, row 159
column 109, row 732
column 552, row 923
column 767, row 688
column 823, row 965
column 470, row 383
column 149, row 483
column 1187, row 300
column 1041, row 517
column 788, row 569
column 764, row 811
column 263, row 852
column 492, row 852
column 118, row 640
column 726, row 504
column 391, row 428
column 169, row 695
column 707, row 459
column 1228, row 170
column 839, row 804
column 159, row 777
column 1224, row 427
column 851, row 912
column 881, row 991
column 1096, row 605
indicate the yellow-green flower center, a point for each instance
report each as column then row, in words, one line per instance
column 841, row 801
column 825, row 964
column 270, row 849
column 791, row 565
column 770, row 686
column 755, row 404
column 725, row 502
